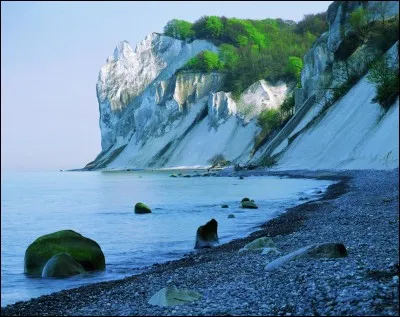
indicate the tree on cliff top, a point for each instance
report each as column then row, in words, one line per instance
column 179, row 29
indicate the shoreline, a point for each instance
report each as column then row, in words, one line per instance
column 98, row 298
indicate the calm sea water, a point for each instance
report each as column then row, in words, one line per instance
column 100, row 206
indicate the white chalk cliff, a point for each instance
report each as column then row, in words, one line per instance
column 152, row 116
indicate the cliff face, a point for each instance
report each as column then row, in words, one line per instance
column 127, row 83
column 153, row 116
column 321, row 70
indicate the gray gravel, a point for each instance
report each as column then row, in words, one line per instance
column 361, row 211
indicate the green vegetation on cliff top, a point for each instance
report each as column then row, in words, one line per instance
column 250, row 50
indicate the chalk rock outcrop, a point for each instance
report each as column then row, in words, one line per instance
column 323, row 250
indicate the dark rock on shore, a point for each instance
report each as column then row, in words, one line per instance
column 207, row 235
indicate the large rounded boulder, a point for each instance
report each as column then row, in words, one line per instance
column 141, row 208
column 207, row 235
column 62, row 265
column 83, row 250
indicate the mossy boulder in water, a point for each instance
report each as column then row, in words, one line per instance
column 248, row 204
column 207, row 235
column 83, row 250
column 62, row 265
column 141, row 208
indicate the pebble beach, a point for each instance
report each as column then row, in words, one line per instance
column 361, row 210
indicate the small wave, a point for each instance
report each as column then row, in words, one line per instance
column 116, row 213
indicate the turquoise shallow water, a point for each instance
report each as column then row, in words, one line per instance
column 99, row 205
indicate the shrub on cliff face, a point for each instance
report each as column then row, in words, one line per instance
column 206, row 61
column 386, row 80
column 287, row 107
column 218, row 160
column 295, row 65
column 269, row 119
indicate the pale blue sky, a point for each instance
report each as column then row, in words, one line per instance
column 51, row 54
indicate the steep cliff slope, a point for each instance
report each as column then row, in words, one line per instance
column 355, row 132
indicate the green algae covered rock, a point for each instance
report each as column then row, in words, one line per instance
column 248, row 204
column 141, row 208
column 62, row 265
column 258, row 244
column 83, row 250
column 171, row 296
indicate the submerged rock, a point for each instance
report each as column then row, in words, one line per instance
column 62, row 265
column 231, row 216
column 170, row 296
column 224, row 206
column 173, row 175
column 141, row 208
column 207, row 235
column 258, row 245
column 83, row 250
column 323, row 250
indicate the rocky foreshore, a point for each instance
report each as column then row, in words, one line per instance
column 361, row 211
